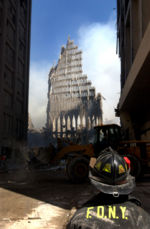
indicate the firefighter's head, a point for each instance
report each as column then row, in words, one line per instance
column 110, row 174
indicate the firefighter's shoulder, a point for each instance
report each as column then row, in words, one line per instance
column 126, row 215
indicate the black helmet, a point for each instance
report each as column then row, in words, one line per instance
column 111, row 174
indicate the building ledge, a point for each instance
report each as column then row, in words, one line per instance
column 138, row 69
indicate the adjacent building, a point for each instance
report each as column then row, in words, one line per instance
column 15, row 21
column 133, row 23
column 73, row 105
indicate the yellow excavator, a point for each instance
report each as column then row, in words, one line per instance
column 77, row 156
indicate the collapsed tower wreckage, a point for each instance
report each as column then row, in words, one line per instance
column 73, row 107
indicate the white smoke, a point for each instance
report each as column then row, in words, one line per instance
column 101, row 64
column 38, row 89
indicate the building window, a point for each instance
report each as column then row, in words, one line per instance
column 10, row 33
column 8, row 99
column 19, row 129
column 19, row 107
column 8, row 77
column 126, row 5
column 20, row 69
column 21, row 50
column 10, row 56
column 7, row 124
column 22, row 33
column 11, row 13
column 23, row 14
column 20, row 88
column 23, row 2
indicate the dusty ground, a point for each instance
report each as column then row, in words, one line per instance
column 46, row 199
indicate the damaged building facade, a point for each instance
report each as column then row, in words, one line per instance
column 73, row 106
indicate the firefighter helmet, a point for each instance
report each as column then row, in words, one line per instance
column 111, row 174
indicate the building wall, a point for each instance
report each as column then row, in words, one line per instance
column 133, row 23
column 15, row 20
column 72, row 101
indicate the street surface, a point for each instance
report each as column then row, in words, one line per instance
column 47, row 199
